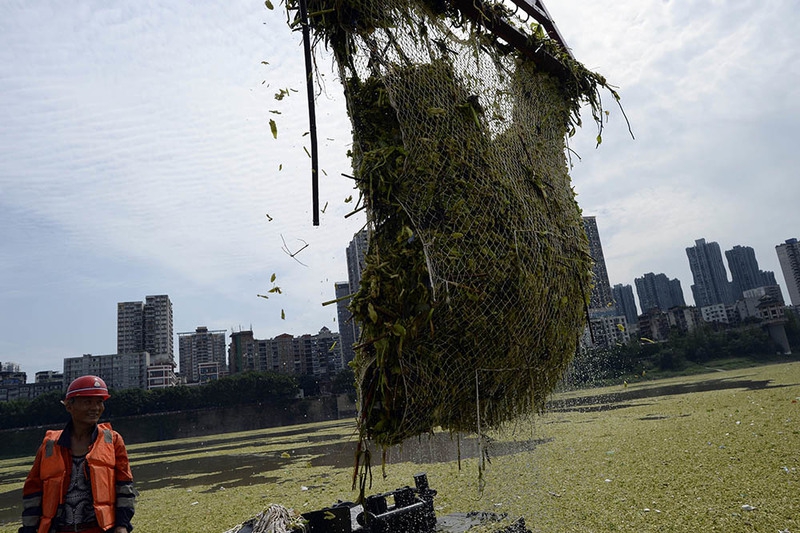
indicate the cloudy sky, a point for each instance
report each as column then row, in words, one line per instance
column 136, row 158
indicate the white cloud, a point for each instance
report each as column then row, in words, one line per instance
column 136, row 158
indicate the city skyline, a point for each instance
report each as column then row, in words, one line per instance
column 356, row 248
column 137, row 158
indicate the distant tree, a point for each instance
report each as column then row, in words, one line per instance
column 251, row 387
column 239, row 389
column 309, row 385
column 793, row 331
column 13, row 414
column 47, row 409
column 670, row 359
column 344, row 381
column 127, row 402
column 180, row 398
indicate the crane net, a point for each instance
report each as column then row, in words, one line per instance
column 477, row 274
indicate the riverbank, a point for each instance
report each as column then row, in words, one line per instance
column 710, row 452
column 194, row 423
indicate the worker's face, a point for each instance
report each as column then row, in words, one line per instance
column 85, row 409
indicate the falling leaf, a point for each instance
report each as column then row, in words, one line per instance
column 325, row 207
column 280, row 167
column 268, row 4
column 269, row 217
column 272, row 278
column 348, row 199
column 273, row 128
column 275, row 290
column 283, row 315
column 262, row 296
column 265, row 62
column 274, row 111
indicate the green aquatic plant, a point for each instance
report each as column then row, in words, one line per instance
column 477, row 276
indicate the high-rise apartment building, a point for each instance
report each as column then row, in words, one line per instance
column 349, row 330
column 327, row 348
column 789, row 259
column 285, row 354
column 119, row 371
column 745, row 274
column 625, row 303
column 605, row 330
column 711, row 285
column 17, row 387
column 158, row 331
column 147, row 327
column 657, row 291
column 130, row 327
column 601, row 297
column 243, row 352
column 49, row 376
column 199, row 349
column 355, row 252
column 316, row 351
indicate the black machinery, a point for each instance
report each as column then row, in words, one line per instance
column 412, row 511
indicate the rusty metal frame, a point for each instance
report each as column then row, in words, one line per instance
column 537, row 10
column 480, row 13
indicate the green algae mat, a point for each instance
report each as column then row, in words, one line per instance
column 712, row 452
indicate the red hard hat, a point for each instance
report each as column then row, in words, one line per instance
column 88, row 386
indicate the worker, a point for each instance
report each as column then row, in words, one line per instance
column 80, row 479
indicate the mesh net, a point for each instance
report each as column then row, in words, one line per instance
column 477, row 275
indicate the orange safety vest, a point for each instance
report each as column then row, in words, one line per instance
column 55, row 469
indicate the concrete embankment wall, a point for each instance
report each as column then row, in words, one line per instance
column 165, row 426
